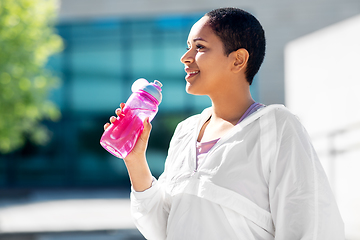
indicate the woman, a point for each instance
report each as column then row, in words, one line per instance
column 238, row 170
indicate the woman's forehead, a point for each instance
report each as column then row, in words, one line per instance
column 200, row 29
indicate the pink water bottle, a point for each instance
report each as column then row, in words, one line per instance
column 120, row 137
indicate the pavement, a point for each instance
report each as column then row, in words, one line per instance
column 64, row 212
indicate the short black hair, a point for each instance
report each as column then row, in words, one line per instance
column 239, row 29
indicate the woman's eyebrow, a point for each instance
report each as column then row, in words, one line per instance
column 199, row 39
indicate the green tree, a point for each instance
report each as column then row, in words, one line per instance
column 27, row 39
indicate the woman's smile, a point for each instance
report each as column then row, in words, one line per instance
column 190, row 73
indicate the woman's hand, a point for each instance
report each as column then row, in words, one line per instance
column 113, row 118
column 140, row 147
column 136, row 164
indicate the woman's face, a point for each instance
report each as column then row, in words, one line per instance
column 206, row 64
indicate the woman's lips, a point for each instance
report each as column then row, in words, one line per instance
column 191, row 74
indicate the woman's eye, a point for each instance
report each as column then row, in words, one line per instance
column 199, row 46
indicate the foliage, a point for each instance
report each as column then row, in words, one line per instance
column 27, row 39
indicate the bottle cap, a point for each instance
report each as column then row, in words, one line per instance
column 152, row 88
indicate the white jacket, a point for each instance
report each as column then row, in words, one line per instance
column 260, row 181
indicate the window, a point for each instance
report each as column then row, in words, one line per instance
column 100, row 61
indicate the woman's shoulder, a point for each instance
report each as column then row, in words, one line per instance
column 282, row 119
column 279, row 113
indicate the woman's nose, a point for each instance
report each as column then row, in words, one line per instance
column 187, row 57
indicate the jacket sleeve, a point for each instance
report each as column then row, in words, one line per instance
column 148, row 212
column 150, row 209
column 301, row 201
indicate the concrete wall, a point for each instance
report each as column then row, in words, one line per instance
column 282, row 20
column 322, row 82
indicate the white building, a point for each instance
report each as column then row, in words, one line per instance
column 322, row 88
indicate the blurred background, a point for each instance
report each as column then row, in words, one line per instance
column 65, row 65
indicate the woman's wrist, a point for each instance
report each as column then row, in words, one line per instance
column 139, row 172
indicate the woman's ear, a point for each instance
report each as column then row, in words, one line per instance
column 241, row 57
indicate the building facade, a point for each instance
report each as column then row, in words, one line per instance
column 111, row 43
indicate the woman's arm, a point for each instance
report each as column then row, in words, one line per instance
column 301, row 200
column 136, row 164
column 147, row 200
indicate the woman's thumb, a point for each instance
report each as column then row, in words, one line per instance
column 147, row 129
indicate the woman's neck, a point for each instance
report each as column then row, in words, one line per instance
column 226, row 112
column 230, row 107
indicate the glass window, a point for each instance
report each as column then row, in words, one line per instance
column 101, row 59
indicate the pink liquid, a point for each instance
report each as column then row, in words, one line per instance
column 120, row 138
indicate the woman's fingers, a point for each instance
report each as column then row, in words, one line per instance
column 112, row 119
column 141, row 144
column 106, row 125
column 118, row 111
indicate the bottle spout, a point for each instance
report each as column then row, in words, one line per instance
column 158, row 83
column 153, row 88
